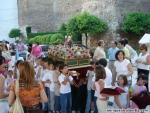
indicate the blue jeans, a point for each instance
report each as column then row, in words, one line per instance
column 88, row 102
column 95, row 106
column 57, row 103
column 65, row 103
column 47, row 104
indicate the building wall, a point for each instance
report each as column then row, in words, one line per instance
column 48, row 15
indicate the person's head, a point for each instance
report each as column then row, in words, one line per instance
column 63, row 69
column 113, row 44
column 10, row 73
column 125, row 41
column 57, row 64
column 141, row 80
column 100, row 72
column 121, row 44
column 120, row 55
column 38, row 61
column 48, row 63
column 2, row 64
column 101, row 43
column 92, row 63
column 5, row 47
column 37, row 43
column 102, row 62
column 17, row 63
column 43, row 60
column 1, row 47
column 143, row 48
column 122, row 80
column 27, row 73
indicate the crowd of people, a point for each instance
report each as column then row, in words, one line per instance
column 49, row 86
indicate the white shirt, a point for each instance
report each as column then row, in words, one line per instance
column 123, row 98
column 108, row 79
column 97, row 91
column 143, row 58
column 122, row 68
column 132, row 52
column 52, row 85
column 64, row 88
column 99, row 53
column 90, row 74
column 48, row 75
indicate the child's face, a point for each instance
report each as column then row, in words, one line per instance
column 141, row 81
column 51, row 67
column 65, row 70
column 120, row 81
column 120, row 56
column 39, row 62
column 93, row 66
column 45, row 64
column 10, row 73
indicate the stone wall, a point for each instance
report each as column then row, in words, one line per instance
column 48, row 15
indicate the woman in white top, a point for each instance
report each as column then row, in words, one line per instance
column 143, row 62
column 99, row 85
column 4, row 107
column 99, row 51
column 122, row 66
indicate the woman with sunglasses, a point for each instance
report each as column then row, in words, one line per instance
column 4, row 107
column 143, row 62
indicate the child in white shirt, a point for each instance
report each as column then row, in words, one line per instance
column 65, row 89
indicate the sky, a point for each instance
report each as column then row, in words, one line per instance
column 8, row 18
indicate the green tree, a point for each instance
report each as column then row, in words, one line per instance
column 87, row 24
column 136, row 23
column 15, row 33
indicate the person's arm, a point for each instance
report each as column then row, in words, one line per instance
column 114, row 73
column 2, row 86
column 117, row 101
column 11, row 97
column 43, row 94
column 128, row 100
column 63, row 80
column 70, row 79
column 130, row 69
column 95, row 56
column 101, row 84
column 148, row 60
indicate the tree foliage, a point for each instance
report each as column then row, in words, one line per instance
column 86, row 23
column 136, row 23
column 15, row 33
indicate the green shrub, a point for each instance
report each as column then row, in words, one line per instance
column 136, row 23
column 57, row 38
column 15, row 33
column 48, row 39
column 32, row 35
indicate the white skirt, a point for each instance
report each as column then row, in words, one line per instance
column 4, row 107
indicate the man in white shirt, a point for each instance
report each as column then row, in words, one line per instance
column 99, row 51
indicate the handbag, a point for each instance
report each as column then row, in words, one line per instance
column 17, row 106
